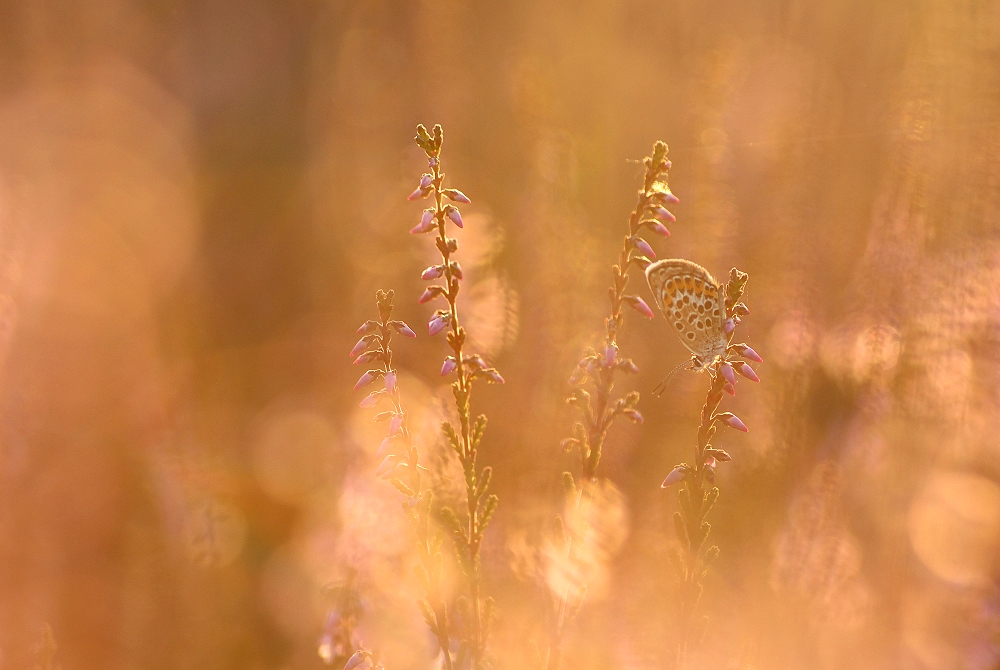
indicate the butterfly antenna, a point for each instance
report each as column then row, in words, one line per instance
column 662, row 386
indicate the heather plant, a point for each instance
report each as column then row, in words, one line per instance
column 401, row 466
column 705, row 315
column 475, row 611
column 596, row 371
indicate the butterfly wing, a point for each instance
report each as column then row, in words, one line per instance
column 692, row 301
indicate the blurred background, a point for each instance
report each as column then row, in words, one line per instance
column 198, row 200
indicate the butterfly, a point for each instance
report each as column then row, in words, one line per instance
column 694, row 304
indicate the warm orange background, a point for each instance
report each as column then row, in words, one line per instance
column 199, row 198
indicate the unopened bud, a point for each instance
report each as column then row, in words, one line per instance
column 663, row 214
column 360, row 346
column 734, row 422
column 395, row 424
column 633, row 415
column 729, row 388
column 457, row 195
column 433, row 272
column 368, row 327
column 449, row 366
column 610, row 354
column 390, row 381
column 493, row 376
column 746, row 371
column 727, row 372
column 418, row 193
column 747, row 352
column 658, row 228
column 430, row 293
column 676, row 475
column 729, row 326
column 366, row 379
column 403, row 329
column 639, row 305
column 425, row 180
column 370, row 400
column 643, row 246
column 437, row 324
column 455, row 216
column 387, row 465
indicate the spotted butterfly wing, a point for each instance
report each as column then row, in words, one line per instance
column 693, row 303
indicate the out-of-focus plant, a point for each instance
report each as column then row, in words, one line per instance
column 705, row 315
column 400, row 463
column 597, row 369
column 475, row 610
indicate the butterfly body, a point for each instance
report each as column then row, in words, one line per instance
column 693, row 303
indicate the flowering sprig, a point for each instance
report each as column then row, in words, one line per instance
column 598, row 367
column 699, row 493
column 476, row 611
column 400, row 464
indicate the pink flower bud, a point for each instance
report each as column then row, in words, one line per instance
column 395, row 424
column 667, row 196
column 659, row 228
column 430, row 293
column 734, row 422
column 633, row 415
column 433, row 272
column 729, row 388
column 387, row 465
column 366, row 379
column 643, row 246
column 675, row 476
column 741, row 309
column 418, row 193
column 493, row 376
column 356, row 660
column 710, row 462
column 425, row 180
column 747, row 371
column 610, row 354
column 663, row 214
column 437, row 324
column 360, row 346
column 449, row 366
column 454, row 215
column 426, row 223
column 368, row 357
column 475, row 361
column 386, row 446
column 639, row 305
column 627, row 366
column 457, row 195
column 390, row 381
column 747, row 352
column 729, row 326
column 403, row 329
column 370, row 400
column 367, row 327
column 727, row 372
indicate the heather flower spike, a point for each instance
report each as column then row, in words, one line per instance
column 478, row 507
column 593, row 379
column 404, row 469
